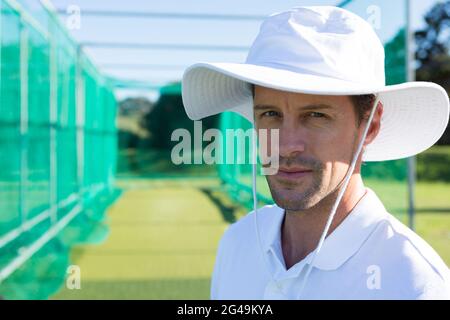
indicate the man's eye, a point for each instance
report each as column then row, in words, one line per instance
column 317, row 115
column 270, row 114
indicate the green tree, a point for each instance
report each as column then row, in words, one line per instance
column 432, row 53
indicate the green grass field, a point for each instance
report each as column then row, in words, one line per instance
column 433, row 216
column 162, row 244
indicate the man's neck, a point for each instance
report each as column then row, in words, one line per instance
column 301, row 230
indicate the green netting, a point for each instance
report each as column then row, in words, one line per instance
column 57, row 150
column 388, row 179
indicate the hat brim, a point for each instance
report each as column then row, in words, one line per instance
column 415, row 113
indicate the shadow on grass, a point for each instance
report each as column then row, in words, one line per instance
column 228, row 211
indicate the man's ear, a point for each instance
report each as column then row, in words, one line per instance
column 375, row 125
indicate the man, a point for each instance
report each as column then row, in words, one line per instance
column 316, row 74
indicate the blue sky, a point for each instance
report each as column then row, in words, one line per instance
column 202, row 32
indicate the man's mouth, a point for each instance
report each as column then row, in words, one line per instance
column 293, row 173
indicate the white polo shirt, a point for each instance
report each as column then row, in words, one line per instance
column 370, row 255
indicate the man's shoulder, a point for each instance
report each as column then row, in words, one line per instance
column 411, row 259
column 412, row 245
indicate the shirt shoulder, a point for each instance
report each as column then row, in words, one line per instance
column 414, row 266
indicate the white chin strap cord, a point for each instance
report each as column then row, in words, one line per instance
column 332, row 213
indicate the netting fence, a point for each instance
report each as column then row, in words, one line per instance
column 57, row 149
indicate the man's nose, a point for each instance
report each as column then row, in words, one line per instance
column 292, row 140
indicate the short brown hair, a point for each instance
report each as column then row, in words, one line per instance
column 362, row 104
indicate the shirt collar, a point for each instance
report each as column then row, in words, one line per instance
column 344, row 241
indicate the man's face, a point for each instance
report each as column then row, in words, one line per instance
column 317, row 139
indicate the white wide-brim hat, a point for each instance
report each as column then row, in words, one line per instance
column 322, row 50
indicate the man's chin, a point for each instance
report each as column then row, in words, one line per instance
column 293, row 202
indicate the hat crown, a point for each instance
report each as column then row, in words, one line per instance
column 320, row 40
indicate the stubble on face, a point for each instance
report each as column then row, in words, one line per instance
column 304, row 193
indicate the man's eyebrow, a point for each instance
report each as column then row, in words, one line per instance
column 319, row 106
column 264, row 107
